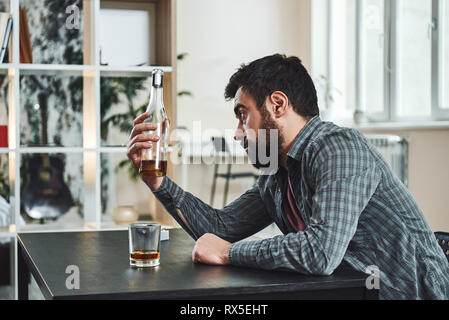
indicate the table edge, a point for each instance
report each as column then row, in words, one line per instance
column 43, row 286
column 213, row 292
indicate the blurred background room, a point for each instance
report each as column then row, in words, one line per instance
column 76, row 73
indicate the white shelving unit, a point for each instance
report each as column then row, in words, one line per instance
column 91, row 71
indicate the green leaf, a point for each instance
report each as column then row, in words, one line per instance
column 185, row 94
column 182, row 56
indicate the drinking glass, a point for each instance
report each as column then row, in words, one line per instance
column 144, row 244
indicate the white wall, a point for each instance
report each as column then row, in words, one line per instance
column 219, row 36
column 428, row 172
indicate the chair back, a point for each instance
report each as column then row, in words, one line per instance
column 443, row 241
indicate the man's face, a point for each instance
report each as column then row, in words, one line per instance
column 255, row 129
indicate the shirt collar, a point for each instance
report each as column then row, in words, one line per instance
column 302, row 138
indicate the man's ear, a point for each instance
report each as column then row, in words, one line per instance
column 279, row 103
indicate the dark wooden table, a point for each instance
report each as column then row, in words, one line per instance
column 104, row 272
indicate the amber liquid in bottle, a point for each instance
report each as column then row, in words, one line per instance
column 151, row 169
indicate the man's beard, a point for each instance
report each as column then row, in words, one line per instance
column 271, row 153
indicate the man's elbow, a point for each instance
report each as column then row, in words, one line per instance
column 325, row 268
column 327, row 271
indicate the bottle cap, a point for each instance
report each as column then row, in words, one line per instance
column 158, row 75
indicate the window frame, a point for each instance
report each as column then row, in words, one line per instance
column 389, row 113
column 437, row 61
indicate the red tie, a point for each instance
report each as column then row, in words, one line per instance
column 292, row 210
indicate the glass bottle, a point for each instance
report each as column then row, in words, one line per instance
column 154, row 161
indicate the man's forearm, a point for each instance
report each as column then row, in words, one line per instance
column 296, row 252
column 236, row 221
column 184, row 219
column 154, row 184
column 209, row 248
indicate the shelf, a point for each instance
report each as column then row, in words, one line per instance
column 79, row 70
column 113, row 149
column 83, row 151
column 54, row 150
column 143, row 71
column 54, row 69
column 5, row 233
column 5, row 67
column 68, row 149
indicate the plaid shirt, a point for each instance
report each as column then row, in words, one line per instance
column 354, row 208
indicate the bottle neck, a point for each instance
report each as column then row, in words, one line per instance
column 157, row 95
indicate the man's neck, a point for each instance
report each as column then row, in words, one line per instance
column 290, row 131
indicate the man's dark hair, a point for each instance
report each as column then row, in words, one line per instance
column 273, row 73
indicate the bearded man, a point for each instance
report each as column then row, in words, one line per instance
column 331, row 193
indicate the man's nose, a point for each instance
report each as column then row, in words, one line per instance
column 239, row 134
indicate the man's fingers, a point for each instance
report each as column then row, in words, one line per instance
column 139, row 140
column 144, row 138
column 141, row 118
column 195, row 255
column 211, row 249
column 135, row 158
column 141, row 127
column 136, row 147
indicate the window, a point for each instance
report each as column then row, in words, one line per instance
column 413, row 59
column 387, row 59
column 342, row 72
column 443, row 55
column 372, row 56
